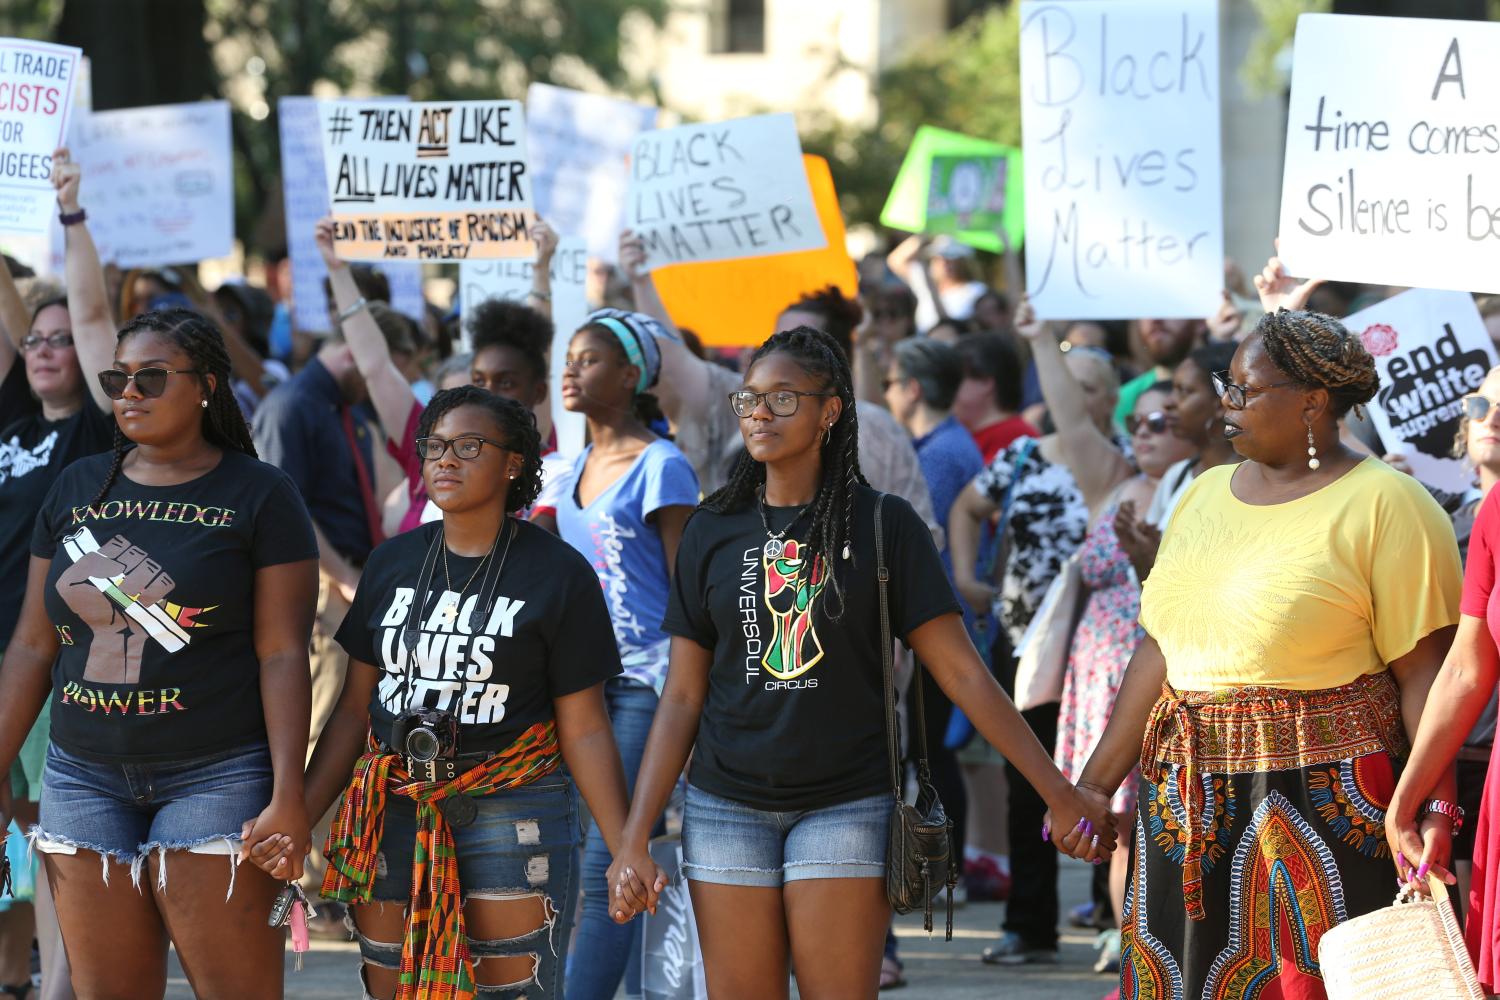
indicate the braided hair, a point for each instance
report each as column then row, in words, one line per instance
column 833, row 507
column 196, row 336
column 517, row 431
column 1319, row 352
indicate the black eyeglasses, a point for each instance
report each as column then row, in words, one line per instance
column 467, row 447
column 1479, row 408
column 781, row 402
column 56, row 341
column 1154, row 422
column 1235, row 396
column 149, row 382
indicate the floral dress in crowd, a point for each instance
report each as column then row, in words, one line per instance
column 1107, row 636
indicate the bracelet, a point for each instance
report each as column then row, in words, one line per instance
column 1094, row 788
column 71, row 218
column 361, row 304
column 1454, row 812
column 544, row 296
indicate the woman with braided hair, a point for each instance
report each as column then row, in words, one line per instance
column 776, row 690
column 166, row 623
column 1296, row 617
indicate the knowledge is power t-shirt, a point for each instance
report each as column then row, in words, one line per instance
column 795, row 717
column 152, row 593
column 494, row 653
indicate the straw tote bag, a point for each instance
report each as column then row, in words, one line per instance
column 1413, row 947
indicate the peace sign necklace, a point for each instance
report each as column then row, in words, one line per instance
column 775, row 547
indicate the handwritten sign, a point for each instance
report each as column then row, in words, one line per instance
column 1120, row 126
column 580, row 160
column 722, row 190
column 966, row 193
column 922, row 196
column 305, row 201
column 36, row 84
column 1389, row 174
column 427, row 181
column 511, row 279
column 1431, row 349
column 158, row 182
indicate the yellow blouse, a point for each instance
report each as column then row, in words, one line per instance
column 1303, row 595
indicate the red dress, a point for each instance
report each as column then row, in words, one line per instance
column 1482, row 600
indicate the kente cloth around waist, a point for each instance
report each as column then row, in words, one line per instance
column 1239, row 730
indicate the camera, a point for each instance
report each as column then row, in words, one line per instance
column 425, row 734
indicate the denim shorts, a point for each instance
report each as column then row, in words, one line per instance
column 523, row 843
column 126, row 811
column 729, row 843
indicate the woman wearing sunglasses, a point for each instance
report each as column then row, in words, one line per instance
column 1296, row 617
column 479, row 648
column 166, row 623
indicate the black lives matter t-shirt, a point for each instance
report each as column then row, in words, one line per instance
column 152, row 592
column 493, row 654
column 794, row 717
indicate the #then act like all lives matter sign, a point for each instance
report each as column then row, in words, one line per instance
column 427, row 181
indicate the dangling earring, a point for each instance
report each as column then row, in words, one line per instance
column 827, row 435
column 1312, row 450
column 203, row 403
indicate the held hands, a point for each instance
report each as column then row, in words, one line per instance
column 1279, row 291
column 323, row 236
column 1082, row 825
column 66, row 176
column 279, row 838
column 1419, row 847
column 629, row 894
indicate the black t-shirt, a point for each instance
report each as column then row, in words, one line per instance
column 33, row 451
column 795, row 717
column 540, row 630
column 152, row 592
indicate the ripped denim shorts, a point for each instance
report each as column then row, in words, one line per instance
column 125, row 812
column 523, row 843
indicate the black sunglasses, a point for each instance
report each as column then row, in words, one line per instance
column 1154, row 422
column 149, row 382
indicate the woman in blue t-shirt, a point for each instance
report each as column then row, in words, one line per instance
column 631, row 494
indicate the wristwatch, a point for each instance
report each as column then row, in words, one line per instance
column 1454, row 813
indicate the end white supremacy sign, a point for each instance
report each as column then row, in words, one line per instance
column 722, row 190
column 1393, row 163
column 1120, row 141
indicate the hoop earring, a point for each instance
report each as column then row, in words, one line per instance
column 1312, row 450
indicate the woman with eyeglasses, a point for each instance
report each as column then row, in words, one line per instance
column 166, row 623
column 631, row 492
column 472, row 716
column 1296, row 618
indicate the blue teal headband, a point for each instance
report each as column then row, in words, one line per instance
column 633, row 331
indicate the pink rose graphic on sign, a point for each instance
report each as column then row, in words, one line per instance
column 1379, row 339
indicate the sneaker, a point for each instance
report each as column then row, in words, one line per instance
column 1108, row 943
column 985, row 882
column 1011, row 950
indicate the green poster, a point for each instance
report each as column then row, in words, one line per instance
column 989, row 190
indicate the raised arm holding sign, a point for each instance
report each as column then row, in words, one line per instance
column 36, row 90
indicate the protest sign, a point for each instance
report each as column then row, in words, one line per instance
column 721, row 191
column 671, row 958
column 305, row 199
column 511, row 279
column 1431, row 348
column 158, row 182
column 1120, row 126
column 1390, row 152
column 579, row 146
column 36, row 87
column 759, row 288
column 927, row 172
column 440, row 180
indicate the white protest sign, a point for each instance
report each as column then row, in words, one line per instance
column 158, row 182
column 510, row 279
column 440, row 180
column 722, row 190
column 1431, row 348
column 1390, row 153
column 1120, row 149
column 579, row 146
column 305, row 197
column 36, row 84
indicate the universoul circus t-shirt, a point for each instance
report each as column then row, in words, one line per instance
column 494, row 653
column 794, row 717
column 152, row 592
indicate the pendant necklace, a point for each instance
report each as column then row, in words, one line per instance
column 449, row 614
column 775, row 547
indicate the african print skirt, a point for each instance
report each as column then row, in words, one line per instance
column 1260, row 826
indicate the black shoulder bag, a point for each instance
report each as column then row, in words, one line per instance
column 919, row 858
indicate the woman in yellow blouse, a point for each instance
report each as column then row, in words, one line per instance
column 1297, row 614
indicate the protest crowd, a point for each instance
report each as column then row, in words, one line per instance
column 699, row 568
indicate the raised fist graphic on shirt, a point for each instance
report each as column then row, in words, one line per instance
column 118, row 607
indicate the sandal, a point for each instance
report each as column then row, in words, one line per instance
column 890, row 974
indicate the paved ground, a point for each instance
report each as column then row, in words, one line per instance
column 935, row 970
